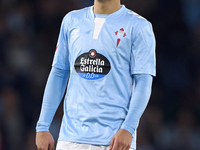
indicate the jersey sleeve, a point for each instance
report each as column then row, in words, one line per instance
column 139, row 100
column 53, row 94
column 143, row 52
column 61, row 57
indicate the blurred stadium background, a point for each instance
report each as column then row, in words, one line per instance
column 28, row 36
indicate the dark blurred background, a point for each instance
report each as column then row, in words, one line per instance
column 28, row 35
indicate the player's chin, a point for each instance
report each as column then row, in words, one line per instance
column 101, row 1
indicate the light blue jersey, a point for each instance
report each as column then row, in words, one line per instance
column 102, row 55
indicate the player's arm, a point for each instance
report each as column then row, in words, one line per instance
column 53, row 94
column 142, row 69
column 139, row 100
column 140, row 97
column 55, row 89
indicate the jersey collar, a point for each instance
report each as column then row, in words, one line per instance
column 110, row 16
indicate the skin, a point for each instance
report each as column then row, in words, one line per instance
column 44, row 141
column 106, row 6
column 122, row 139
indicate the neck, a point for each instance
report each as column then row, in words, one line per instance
column 106, row 6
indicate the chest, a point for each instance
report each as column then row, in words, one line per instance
column 99, row 47
column 101, row 35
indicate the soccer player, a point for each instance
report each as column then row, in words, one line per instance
column 107, row 52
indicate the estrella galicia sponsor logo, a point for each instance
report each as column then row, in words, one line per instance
column 92, row 65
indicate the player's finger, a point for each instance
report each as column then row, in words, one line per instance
column 120, row 148
column 42, row 147
column 115, row 146
column 51, row 146
column 111, row 144
column 127, row 148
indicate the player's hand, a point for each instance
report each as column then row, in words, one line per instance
column 121, row 140
column 44, row 141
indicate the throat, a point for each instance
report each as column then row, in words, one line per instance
column 106, row 6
